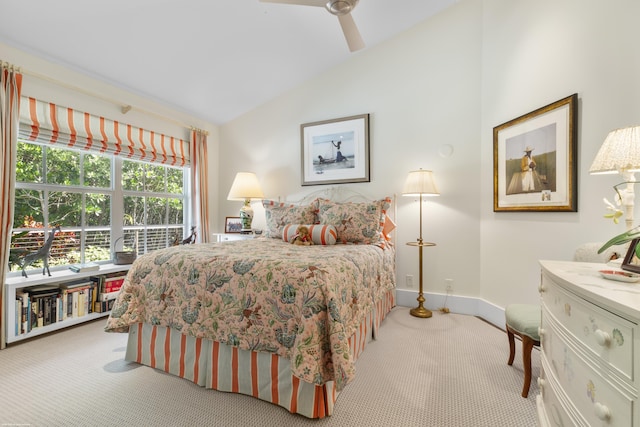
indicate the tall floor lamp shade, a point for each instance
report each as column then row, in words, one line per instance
column 620, row 153
column 245, row 187
column 420, row 183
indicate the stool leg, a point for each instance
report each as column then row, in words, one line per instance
column 512, row 346
column 527, row 346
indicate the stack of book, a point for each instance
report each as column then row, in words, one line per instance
column 36, row 307
column 77, row 298
column 80, row 268
column 39, row 306
column 108, row 288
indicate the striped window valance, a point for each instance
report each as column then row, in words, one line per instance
column 45, row 122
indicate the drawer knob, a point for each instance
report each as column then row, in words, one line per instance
column 603, row 338
column 602, row 412
column 541, row 385
column 541, row 331
column 541, row 288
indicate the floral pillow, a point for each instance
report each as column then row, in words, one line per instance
column 278, row 215
column 360, row 223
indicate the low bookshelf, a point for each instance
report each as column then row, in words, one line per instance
column 61, row 278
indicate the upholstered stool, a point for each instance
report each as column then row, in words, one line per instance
column 523, row 320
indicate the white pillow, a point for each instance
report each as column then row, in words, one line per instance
column 321, row 234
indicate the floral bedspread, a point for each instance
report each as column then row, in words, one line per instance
column 301, row 302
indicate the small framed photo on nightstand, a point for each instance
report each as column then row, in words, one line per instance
column 631, row 261
column 232, row 224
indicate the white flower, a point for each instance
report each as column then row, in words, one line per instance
column 614, row 213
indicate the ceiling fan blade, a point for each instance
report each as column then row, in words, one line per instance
column 320, row 3
column 351, row 33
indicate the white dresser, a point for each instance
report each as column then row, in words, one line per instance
column 590, row 344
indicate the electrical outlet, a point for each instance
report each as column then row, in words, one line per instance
column 409, row 281
column 449, row 285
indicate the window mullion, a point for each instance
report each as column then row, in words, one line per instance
column 117, row 203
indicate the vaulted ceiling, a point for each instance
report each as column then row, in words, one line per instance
column 212, row 59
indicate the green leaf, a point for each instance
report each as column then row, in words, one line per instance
column 621, row 239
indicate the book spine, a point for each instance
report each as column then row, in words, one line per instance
column 39, row 312
column 59, row 308
column 18, row 316
column 74, row 313
column 54, row 308
column 85, row 302
column 81, row 303
column 94, row 297
column 24, row 314
column 113, row 284
column 30, row 316
column 106, row 296
column 46, row 311
column 69, row 297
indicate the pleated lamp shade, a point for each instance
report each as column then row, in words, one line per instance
column 420, row 182
column 620, row 152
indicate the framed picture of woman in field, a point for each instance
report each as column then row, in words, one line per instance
column 534, row 160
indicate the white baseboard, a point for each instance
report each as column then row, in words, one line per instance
column 456, row 304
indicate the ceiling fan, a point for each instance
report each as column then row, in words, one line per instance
column 340, row 8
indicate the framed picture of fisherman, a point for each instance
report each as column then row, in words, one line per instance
column 335, row 151
column 535, row 160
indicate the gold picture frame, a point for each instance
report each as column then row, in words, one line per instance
column 535, row 160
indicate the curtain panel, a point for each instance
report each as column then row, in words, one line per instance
column 50, row 123
column 10, row 85
column 199, row 184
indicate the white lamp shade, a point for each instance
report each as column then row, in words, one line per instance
column 245, row 186
column 620, row 152
column 420, row 182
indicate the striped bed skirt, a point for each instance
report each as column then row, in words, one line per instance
column 265, row 376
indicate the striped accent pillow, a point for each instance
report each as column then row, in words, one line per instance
column 321, row 234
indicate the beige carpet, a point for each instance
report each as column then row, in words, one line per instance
column 449, row 370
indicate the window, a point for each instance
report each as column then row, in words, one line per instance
column 153, row 205
column 93, row 197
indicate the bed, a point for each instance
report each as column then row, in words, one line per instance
column 263, row 317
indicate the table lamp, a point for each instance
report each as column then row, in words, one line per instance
column 420, row 183
column 245, row 187
column 620, row 153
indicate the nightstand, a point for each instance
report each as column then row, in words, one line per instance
column 228, row 237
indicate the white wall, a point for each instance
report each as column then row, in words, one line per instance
column 422, row 91
column 535, row 53
column 58, row 84
column 449, row 81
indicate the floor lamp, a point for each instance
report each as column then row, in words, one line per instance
column 620, row 153
column 420, row 183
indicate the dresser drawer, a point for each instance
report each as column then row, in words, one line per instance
column 606, row 336
column 557, row 409
column 579, row 377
